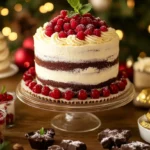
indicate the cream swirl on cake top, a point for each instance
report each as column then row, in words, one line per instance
column 73, row 40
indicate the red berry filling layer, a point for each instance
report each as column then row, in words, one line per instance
column 113, row 88
column 79, row 25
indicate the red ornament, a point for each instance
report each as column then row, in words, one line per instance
column 28, row 43
column 24, row 58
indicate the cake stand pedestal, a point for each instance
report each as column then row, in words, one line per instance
column 75, row 117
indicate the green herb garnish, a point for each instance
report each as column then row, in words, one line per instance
column 5, row 146
column 3, row 90
column 42, row 131
column 78, row 7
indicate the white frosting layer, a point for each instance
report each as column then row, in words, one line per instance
column 71, row 49
column 143, row 65
column 87, row 76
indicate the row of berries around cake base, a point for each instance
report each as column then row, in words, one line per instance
column 113, row 88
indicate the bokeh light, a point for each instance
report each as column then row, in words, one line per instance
column 12, row 36
column 6, row 31
column 18, row 7
column 42, row 9
column 48, row 6
column 120, row 34
column 130, row 3
column 4, row 12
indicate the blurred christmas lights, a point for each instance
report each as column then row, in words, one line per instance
column 148, row 29
column 12, row 36
column 18, row 7
column 47, row 7
column 4, row 12
column 120, row 34
column 6, row 31
column 130, row 3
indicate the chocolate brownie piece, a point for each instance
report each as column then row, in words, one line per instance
column 73, row 145
column 109, row 138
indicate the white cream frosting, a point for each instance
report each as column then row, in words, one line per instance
column 143, row 64
column 89, row 76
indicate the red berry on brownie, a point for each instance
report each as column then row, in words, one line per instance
column 82, row 95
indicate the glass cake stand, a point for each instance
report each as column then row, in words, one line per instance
column 75, row 117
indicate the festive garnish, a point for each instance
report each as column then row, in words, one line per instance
column 78, row 7
column 3, row 90
column 42, row 131
column 5, row 146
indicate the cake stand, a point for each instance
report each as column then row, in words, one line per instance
column 75, row 117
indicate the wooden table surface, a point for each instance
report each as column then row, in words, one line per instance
column 31, row 119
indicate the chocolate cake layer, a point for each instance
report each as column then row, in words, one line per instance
column 75, row 87
column 66, row 66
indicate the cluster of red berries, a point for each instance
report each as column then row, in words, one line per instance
column 113, row 88
column 4, row 97
column 77, row 25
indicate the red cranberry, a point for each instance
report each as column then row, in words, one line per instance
column 121, row 85
column 124, row 81
column 90, row 26
column 103, row 28
column 77, row 17
column 45, row 90
column 28, row 82
column 73, row 23
column 9, row 97
column 95, row 93
column 57, row 28
column 70, row 32
column 27, row 77
column 54, row 21
column 62, row 34
column 1, row 97
column 80, row 27
column 63, row 13
column 88, row 15
column 32, row 84
column 55, row 93
column 81, row 35
column 66, row 19
column 32, row 71
column 102, row 23
column 105, row 92
column 66, row 26
column 49, row 32
column 60, row 22
column 85, row 20
column 82, row 94
column 50, row 25
column 37, row 88
column 113, row 88
column 68, row 94
column 97, row 32
column 88, row 32
column 95, row 23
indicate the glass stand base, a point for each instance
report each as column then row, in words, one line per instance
column 76, row 122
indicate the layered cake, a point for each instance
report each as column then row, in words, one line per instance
column 76, row 61
column 4, row 54
column 142, row 73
